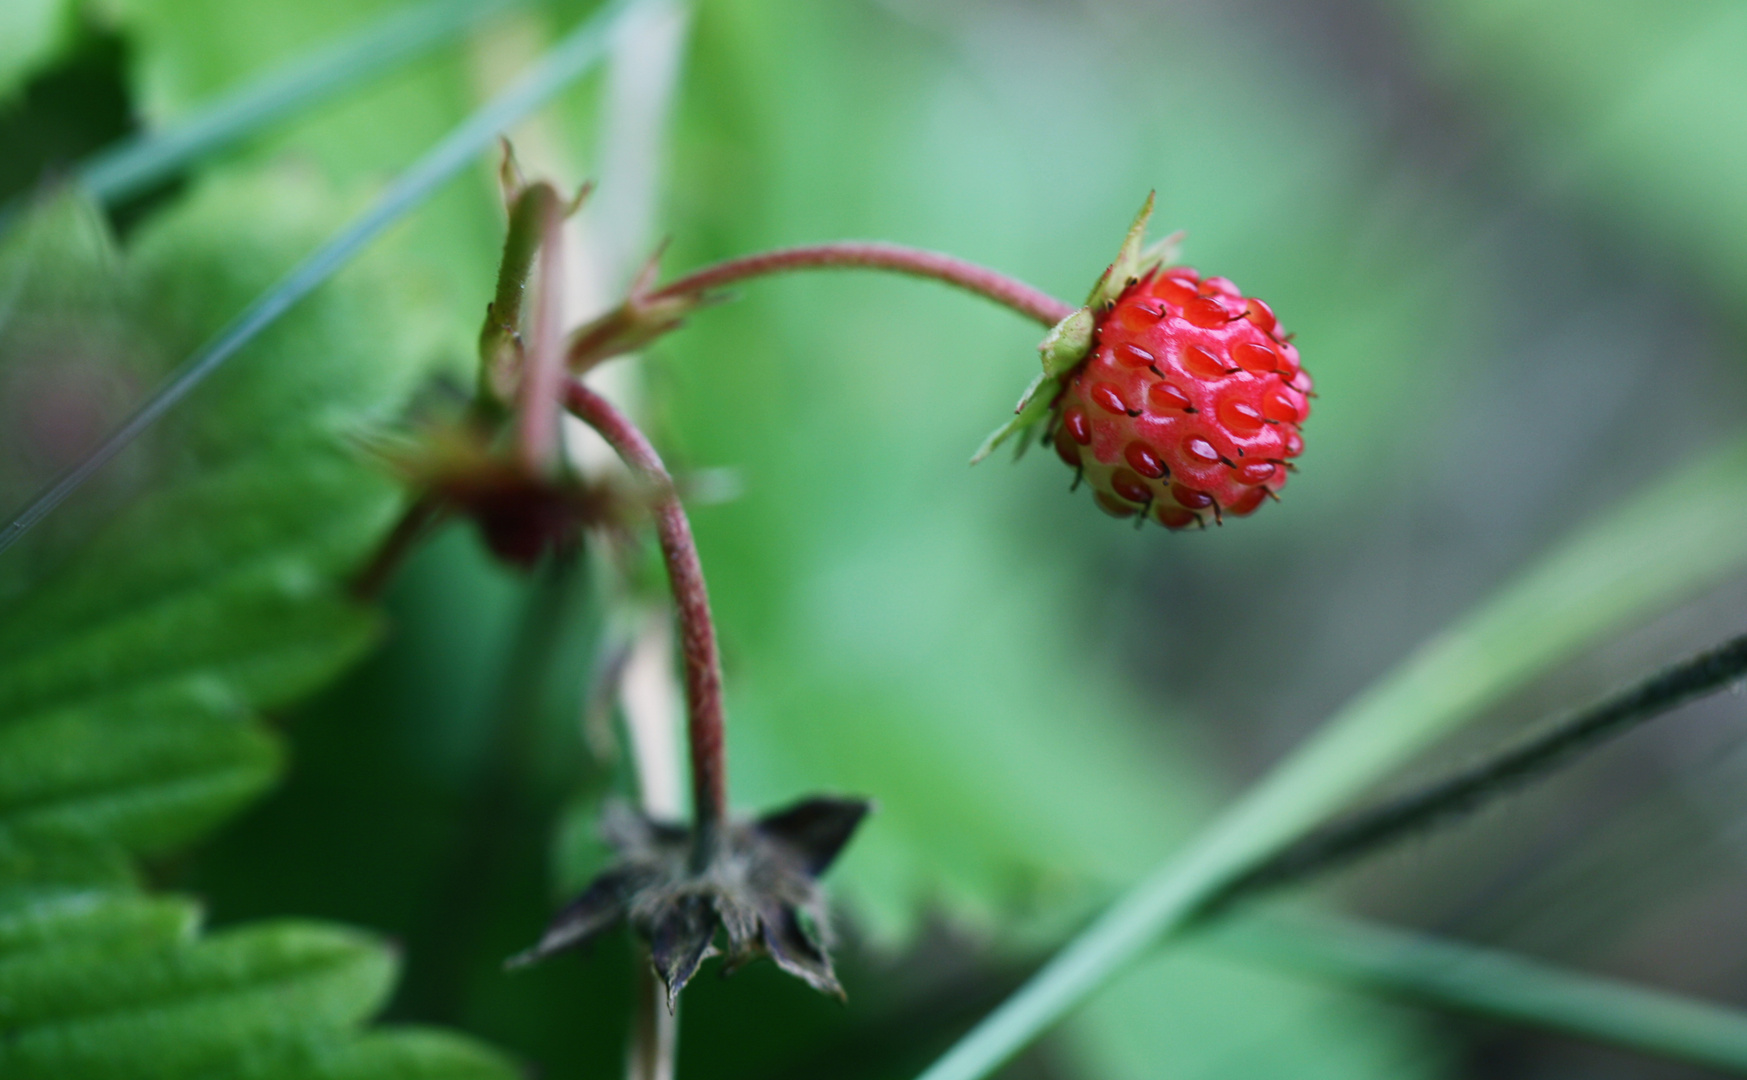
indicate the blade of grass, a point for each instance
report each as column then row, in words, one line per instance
column 134, row 164
column 564, row 63
column 1661, row 545
column 1495, row 984
column 1372, row 829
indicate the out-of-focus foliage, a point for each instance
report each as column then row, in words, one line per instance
column 1636, row 113
column 30, row 32
column 1043, row 703
column 133, row 660
column 131, row 666
column 100, row 980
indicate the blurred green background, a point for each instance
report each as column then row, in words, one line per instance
column 1510, row 239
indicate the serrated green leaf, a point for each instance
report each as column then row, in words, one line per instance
column 99, row 982
column 113, row 922
column 272, row 1001
column 81, row 1010
column 269, row 975
column 38, row 862
column 180, row 763
column 128, row 676
column 137, row 647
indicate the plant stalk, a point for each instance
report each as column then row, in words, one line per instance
column 654, row 1033
column 543, row 373
column 1492, row 983
column 872, row 255
column 705, row 726
column 416, row 523
column 1373, row 829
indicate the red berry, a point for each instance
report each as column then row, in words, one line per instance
column 1188, row 405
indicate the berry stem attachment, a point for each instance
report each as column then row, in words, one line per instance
column 703, row 663
column 871, row 255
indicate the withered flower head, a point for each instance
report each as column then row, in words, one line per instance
column 759, row 886
column 521, row 514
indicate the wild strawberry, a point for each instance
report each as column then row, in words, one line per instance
column 1187, row 407
column 1173, row 396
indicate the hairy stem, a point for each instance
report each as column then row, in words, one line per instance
column 703, row 665
column 1369, row 831
column 869, row 255
column 543, row 373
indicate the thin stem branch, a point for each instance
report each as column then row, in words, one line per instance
column 1491, row 983
column 871, row 255
column 650, row 1055
column 703, row 666
column 1371, row 830
column 543, row 373
column 425, row 513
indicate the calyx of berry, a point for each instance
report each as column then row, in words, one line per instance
column 756, row 884
column 1069, row 342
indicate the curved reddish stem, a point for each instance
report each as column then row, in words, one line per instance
column 703, row 663
column 872, row 255
column 703, row 666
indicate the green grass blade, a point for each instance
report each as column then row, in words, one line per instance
column 134, row 164
column 1497, row 984
column 1363, row 833
column 568, row 60
column 1656, row 548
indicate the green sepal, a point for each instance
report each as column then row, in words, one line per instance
column 1161, row 252
column 1032, row 407
column 1068, row 342
column 1130, row 261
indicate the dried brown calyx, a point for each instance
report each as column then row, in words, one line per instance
column 756, row 882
